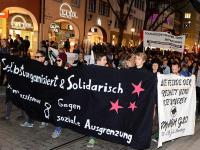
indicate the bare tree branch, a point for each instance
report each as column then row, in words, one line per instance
column 147, row 14
column 155, row 28
column 129, row 11
column 157, row 18
column 113, row 10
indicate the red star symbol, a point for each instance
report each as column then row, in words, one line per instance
column 137, row 88
column 115, row 106
column 132, row 106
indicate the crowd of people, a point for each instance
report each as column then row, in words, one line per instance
column 154, row 60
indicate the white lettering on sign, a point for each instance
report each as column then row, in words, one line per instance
column 55, row 27
column 66, row 11
column 20, row 25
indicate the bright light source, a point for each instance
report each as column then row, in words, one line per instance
column 132, row 29
column 187, row 15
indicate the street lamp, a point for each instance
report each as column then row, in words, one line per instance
column 133, row 30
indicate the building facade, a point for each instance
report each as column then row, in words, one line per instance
column 20, row 18
column 191, row 27
column 83, row 22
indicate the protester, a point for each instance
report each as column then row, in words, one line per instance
column 176, row 68
column 40, row 57
column 184, row 71
column 140, row 59
column 26, row 46
column 67, row 45
column 61, row 61
column 10, row 41
column 127, row 61
column 198, row 90
column 4, row 49
column 100, row 60
column 165, row 69
column 76, row 49
column 80, row 61
column 155, row 67
column 16, row 45
column 20, row 46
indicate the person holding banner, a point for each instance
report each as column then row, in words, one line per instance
column 140, row 59
column 127, row 61
column 155, row 68
column 100, row 60
column 198, row 90
column 40, row 57
column 80, row 61
column 61, row 61
column 176, row 68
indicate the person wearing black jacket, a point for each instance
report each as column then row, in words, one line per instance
column 80, row 61
column 26, row 43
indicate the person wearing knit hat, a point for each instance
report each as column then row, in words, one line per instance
column 61, row 61
column 63, row 56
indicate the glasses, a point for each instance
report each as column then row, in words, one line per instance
column 58, row 60
column 38, row 56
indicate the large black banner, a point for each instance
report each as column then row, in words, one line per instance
column 114, row 105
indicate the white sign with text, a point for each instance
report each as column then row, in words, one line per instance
column 164, row 40
column 176, row 106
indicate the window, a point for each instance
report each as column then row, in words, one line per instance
column 92, row 6
column 75, row 3
column 142, row 5
column 104, row 8
column 187, row 15
column 137, row 24
column 116, row 22
column 139, row 4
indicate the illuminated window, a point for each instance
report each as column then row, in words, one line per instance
column 187, row 15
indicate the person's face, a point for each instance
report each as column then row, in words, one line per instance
column 17, row 36
column 59, row 62
column 61, row 50
column 102, row 61
column 3, row 43
column 131, row 62
column 139, row 61
column 39, row 57
column 155, row 66
column 80, row 56
column 165, row 62
column 175, row 69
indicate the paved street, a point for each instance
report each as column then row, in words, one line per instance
column 14, row 137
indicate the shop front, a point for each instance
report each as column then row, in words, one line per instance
column 20, row 24
column 62, row 24
column 62, row 29
column 19, row 21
